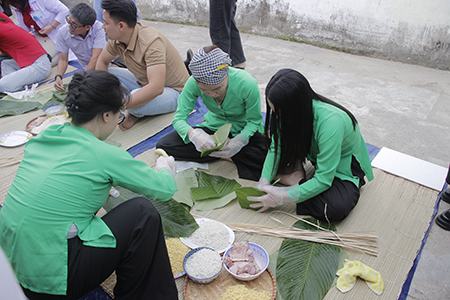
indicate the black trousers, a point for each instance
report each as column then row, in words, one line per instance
column 223, row 30
column 337, row 202
column 140, row 259
column 249, row 161
column 448, row 176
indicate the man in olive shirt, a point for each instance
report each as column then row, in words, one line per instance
column 155, row 73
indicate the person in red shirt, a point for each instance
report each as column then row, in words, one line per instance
column 29, row 62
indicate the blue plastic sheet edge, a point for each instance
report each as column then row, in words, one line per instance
column 407, row 284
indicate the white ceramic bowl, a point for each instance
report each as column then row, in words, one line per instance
column 261, row 259
column 196, row 279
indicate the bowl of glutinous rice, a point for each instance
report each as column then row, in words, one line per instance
column 202, row 264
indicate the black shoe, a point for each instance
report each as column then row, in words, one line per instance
column 445, row 196
column 189, row 55
column 443, row 220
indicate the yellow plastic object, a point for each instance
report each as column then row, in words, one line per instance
column 161, row 152
column 354, row 268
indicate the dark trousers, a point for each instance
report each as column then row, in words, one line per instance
column 223, row 30
column 448, row 176
column 140, row 259
column 249, row 161
column 337, row 202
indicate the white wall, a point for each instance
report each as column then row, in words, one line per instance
column 411, row 31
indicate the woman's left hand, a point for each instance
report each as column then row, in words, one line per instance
column 232, row 148
column 275, row 197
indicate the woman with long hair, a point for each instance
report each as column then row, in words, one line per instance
column 305, row 125
column 49, row 230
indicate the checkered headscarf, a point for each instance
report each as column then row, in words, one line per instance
column 210, row 68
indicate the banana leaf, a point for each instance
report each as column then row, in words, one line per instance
column 244, row 192
column 12, row 108
column 306, row 270
column 220, row 138
column 185, row 181
column 215, row 203
column 212, row 187
column 176, row 219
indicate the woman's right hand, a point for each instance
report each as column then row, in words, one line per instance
column 201, row 140
column 166, row 162
column 262, row 183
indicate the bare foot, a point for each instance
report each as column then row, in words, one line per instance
column 129, row 122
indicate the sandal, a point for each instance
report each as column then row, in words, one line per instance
column 443, row 220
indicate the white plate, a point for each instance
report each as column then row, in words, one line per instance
column 14, row 138
column 203, row 222
column 54, row 110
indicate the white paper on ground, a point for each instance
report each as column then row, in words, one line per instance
column 411, row 168
column 24, row 94
column 184, row 165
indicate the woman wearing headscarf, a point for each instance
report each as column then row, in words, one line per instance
column 26, row 62
column 231, row 96
column 305, row 125
column 49, row 230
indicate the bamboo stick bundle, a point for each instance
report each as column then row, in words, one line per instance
column 366, row 243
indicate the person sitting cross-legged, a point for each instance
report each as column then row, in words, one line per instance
column 231, row 96
column 26, row 63
column 84, row 36
column 155, row 73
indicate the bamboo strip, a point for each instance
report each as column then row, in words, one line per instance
column 365, row 243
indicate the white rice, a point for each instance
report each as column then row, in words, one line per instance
column 211, row 234
column 203, row 264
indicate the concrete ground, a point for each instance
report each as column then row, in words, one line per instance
column 400, row 106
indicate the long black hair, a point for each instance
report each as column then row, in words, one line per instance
column 92, row 93
column 292, row 118
column 19, row 4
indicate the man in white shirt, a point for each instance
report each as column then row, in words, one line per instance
column 84, row 36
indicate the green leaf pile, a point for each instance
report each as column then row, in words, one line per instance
column 213, row 191
column 212, row 187
column 176, row 219
column 306, row 270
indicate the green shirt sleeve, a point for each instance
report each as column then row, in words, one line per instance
column 269, row 166
column 329, row 135
column 186, row 104
column 138, row 177
column 252, row 111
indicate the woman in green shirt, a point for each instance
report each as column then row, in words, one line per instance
column 232, row 97
column 305, row 125
column 49, row 230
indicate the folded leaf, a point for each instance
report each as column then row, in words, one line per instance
column 175, row 218
column 185, row 180
column 306, row 270
column 244, row 192
column 206, row 205
column 220, row 138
